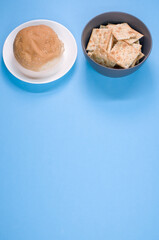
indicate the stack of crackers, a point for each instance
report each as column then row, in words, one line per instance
column 115, row 45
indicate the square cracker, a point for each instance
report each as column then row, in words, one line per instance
column 99, row 36
column 124, row 54
column 123, row 31
column 128, row 34
column 136, row 39
column 100, row 55
column 136, row 61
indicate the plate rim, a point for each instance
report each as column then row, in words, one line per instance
column 49, row 80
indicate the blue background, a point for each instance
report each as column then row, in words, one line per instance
column 79, row 158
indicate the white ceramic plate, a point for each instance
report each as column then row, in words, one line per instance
column 68, row 58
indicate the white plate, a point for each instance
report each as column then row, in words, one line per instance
column 68, row 58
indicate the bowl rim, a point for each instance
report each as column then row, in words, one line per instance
column 115, row 69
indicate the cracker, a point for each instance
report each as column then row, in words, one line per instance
column 123, row 31
column 141, row 55
column 110, row 25
column 137, row 46
column 100, row 55
column 110, row 44
column 102, row 26
column 130, row 41
column 124, row 54
column 90, row 54
column 99, row 36
column 138, row 42
column 136, row 61
column 133, row 64
column 136, row 39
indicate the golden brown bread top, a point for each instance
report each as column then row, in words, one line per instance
column 34, row 46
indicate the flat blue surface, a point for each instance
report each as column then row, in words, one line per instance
column 79, row 158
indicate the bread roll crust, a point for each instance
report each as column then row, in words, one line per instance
column 35, row 46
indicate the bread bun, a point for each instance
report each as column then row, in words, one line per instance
column 36, row 48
